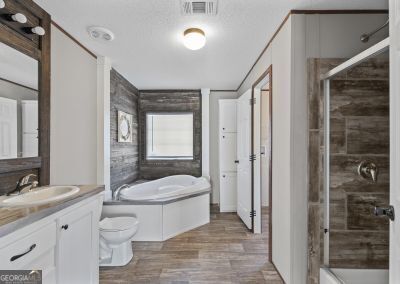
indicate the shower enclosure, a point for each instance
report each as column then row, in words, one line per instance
column 349, row 168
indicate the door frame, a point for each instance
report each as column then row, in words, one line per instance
column 266, row 73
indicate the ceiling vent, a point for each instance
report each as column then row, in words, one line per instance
column 189, row 8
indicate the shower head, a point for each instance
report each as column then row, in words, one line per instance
column 365, row 37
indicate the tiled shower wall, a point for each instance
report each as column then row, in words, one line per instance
column 359, row 130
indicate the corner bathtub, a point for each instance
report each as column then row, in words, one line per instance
column 165, row 207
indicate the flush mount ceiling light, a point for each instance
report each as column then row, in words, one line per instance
column 194, row 38
column 100, row 33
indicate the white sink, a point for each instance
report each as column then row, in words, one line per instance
column 40, row 196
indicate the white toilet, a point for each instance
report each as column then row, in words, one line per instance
column 115, row 240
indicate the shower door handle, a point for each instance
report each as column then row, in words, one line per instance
column 385, row 211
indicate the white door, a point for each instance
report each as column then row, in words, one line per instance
column 8, row 129
column 243, row 155
column 228, row 193
column 394, row 261
column 75, row 247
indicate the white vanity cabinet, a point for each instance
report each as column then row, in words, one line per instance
column 64, row 245
column 77, row 245
column 31, row 249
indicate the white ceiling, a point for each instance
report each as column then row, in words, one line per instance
column 148, row 51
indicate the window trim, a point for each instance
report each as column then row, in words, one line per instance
column 168, row 158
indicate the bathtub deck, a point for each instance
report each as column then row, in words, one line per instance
column 223, row 251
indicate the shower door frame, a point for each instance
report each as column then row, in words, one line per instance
column 371, row 52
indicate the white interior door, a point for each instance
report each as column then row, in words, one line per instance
column 243, row 155
column 257, row 161
column 8, row 129
column 394, row 261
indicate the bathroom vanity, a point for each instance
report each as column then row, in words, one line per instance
column 60, row 238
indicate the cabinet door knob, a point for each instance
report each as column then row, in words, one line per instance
column 236, row 161
column 223, row 128
column 64, row 227
column 223, row 176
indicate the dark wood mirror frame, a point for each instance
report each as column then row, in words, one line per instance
column 16, row 35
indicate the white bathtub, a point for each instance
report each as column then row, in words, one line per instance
column 165, row 207
column 353, row 276
column 165, row 188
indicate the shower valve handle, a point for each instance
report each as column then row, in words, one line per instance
column 385, row 211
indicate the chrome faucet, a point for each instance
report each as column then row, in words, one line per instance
column 116, row 192
column 368, row 170
column 24, row 183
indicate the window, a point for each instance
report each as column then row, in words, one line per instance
column 169, row 136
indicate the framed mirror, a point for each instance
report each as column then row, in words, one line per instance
column 19, row 104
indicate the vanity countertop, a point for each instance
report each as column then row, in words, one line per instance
column 14, row 218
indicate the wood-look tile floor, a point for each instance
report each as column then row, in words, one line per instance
column 223, row 251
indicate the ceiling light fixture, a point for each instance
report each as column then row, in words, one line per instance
column 194, row 38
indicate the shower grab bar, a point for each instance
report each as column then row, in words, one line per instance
column 330, row 272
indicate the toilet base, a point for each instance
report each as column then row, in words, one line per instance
column 120, row 256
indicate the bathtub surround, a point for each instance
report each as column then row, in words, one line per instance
column 165, row 207
column 170, row 101
column 359, row 130
column 124, row 161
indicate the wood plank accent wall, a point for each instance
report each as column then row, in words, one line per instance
column 170, row 101
column 124, row 156
column 359, row 131
column 15, row 36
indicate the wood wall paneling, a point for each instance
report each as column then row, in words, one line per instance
column 170, row 101
column 124, row 156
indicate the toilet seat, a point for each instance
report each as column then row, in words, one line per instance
column 117, row 224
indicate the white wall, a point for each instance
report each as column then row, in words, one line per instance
column 73, row 140
column 301, row 37
column 215, row 96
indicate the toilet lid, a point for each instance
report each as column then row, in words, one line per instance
column 118, row 223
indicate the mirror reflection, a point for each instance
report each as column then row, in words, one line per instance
column 18, row 104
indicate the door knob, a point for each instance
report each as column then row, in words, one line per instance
column 385, row 211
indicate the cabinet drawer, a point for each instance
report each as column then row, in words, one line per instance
column 27, row 250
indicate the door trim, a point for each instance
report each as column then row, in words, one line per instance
column 268, row 73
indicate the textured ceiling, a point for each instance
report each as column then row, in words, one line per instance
column 148, row 50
